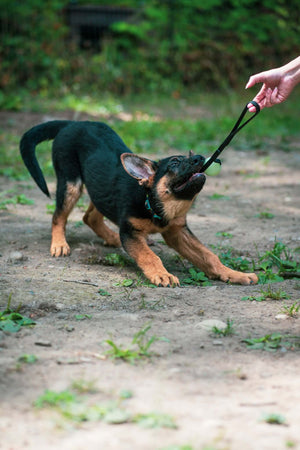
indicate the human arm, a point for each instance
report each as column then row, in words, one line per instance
column 277, row 84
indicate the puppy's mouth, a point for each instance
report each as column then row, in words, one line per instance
column 191, row 186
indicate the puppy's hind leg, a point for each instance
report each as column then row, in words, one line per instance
column 67, row 195
column 95, row 220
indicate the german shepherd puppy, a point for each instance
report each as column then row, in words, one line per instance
column 139, row 195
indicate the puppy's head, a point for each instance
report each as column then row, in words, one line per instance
column 181, row 176
column 174, row 181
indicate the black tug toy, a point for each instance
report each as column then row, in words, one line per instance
column 237, row 127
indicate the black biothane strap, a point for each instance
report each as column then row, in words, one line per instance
column 237, row 127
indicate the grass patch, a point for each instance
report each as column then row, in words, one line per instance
column 114, row 259
column 224, row 234
column 278, row 263
column 265, row 215
column 104, row 293
column 273, row 342
column 11, row 320
column 7, row 199
column 291, row 311
column 155, row 305
column 228, row 258
column 227, row 331
column 27, row 359
column 271, row 294
column 74, row 404
column 127, row 282
column 82, row 386
column 55, row 399
column 83, row 316
column 217, row 196
column 155, row 420
column 197, row 278
column 139, row 348
column 275, row 265
column 274, row 419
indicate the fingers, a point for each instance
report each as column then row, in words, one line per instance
column 259, row 98
column 271, row 97
column 254, row 79
column 251, row 108
column 274, row 97
column 250, row 83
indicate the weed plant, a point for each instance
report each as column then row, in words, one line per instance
column 11, row 320
column 139, row 348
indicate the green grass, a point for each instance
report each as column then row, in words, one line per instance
column 291, row 311
column 11, row 320
column 83, row 386
column 6, row 198
column 155, row 420
column 229, row 259
column 75, row 404
column 278, row 263
column 272, row 266
column 139, row 348
column 265, row 215
column 83, row 316
column 274, row 419
column 224, row 234
column 273, row 342
column 197, row 278
column 227, row 331
column 270, row 293
column 104, row 293
column 55, row 399
column 27, row 359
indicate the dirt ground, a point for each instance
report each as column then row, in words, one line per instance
column 216, row 389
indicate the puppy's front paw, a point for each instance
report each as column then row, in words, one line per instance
column 164, row 279
column 60, row 249
column 235, row 277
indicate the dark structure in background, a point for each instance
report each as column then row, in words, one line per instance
column 90, row 23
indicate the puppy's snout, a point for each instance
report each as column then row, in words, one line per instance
column 198, row 160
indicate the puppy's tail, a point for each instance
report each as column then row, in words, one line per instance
column 30, row 140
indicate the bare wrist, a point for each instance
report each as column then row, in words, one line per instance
column 292, row 70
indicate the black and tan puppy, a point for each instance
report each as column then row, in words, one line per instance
column 139, row 195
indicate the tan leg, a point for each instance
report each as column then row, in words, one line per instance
column 59, row 245
column 94, row 219
column 181, row 239
column 149, row 262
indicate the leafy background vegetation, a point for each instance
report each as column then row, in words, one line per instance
column 168, row 46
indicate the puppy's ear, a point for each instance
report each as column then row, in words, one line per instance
column 141, row 169
column 191, row 153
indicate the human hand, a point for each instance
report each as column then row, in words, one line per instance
column 276, row 88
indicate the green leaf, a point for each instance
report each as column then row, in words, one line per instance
column 155, row 420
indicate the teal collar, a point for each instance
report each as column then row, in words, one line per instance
column 149, row 208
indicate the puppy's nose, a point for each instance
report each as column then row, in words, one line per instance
column 197, row 160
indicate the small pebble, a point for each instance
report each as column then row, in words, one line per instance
column 61, row 315
column 16, row 257
column 217, row 342
column 209, row 324
column 59, row 306
column 281, row 317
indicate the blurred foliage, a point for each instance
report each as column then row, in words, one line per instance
column 168, row 45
